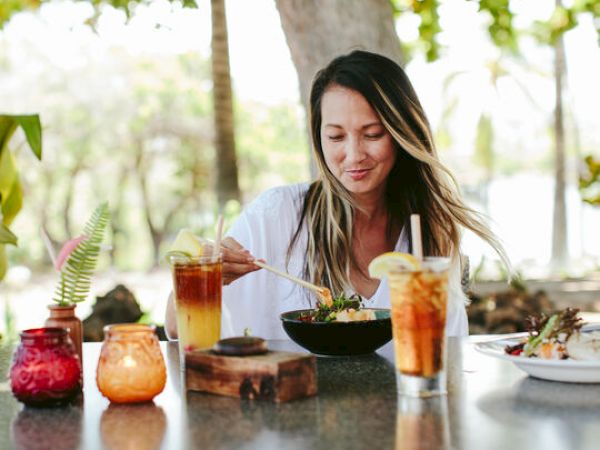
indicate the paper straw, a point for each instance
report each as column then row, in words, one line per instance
column 415, row 232
column 219, row 235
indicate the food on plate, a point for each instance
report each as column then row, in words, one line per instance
column 584, row 346
column 557, row 336
column 341, row 309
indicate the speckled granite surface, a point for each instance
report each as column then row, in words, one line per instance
column 491, row 405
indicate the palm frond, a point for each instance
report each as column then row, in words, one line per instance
column 76, row 274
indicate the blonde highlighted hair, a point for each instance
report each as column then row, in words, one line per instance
column 417, row 184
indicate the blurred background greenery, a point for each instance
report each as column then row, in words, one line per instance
column 133, row 99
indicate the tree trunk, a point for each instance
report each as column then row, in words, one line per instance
column 226, row 162
column 317, row 31
column 559, row 224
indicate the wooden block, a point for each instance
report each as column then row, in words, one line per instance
column 273, row 376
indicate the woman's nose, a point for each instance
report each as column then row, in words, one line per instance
column 354, row 150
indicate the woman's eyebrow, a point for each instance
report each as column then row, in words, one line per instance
column 364, row 127
column 372, row 124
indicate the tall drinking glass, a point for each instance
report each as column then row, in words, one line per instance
column 197, row 290
column 419, row 300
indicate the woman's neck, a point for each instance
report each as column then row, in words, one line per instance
column 370, row 209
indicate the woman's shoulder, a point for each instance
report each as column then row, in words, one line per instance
column 278, row 200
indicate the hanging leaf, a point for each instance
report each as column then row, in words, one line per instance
column 8, row 174
column 7, row 236
column 12, row 204
column 33, row 132
column 3, row 261
column 7, row 128
column 589, row 181
column 11, row 191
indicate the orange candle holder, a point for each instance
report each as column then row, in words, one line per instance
column 131, row 368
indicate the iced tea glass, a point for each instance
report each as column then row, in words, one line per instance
column 419, row 300
column 197, row 290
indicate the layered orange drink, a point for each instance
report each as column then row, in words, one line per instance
column 418, row 298
column 197, row 287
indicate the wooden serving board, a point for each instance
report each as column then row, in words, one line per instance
column 273, row 376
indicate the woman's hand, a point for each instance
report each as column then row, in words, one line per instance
column 237, row 261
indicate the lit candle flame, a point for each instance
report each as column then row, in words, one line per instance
column 128, row 361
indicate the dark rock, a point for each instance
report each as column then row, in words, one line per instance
column 117, row 306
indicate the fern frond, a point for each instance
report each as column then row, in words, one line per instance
column 76, row 274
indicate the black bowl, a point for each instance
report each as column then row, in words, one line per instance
column 339, row 338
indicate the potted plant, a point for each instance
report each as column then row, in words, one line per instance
column 76, row 263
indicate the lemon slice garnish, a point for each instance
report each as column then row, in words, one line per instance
column 186, row 244
column 383, row 264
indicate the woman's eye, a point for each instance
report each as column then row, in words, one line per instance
column 335, row 138
column 374, row 136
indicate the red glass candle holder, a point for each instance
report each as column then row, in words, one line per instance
column 45, row 369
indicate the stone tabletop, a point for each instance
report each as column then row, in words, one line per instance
column 491, row 405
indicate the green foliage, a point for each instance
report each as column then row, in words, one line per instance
column 484, row 143
column 589, row 181
column 561, row 21
column 10, row 7
column 429, row 25
column 272, row 146
column 501, row 28
column 565, row 18
column 10, row 325
column 11, row 191
column 76, row 274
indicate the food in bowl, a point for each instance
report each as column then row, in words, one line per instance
column 357, row 337
column 339, row 309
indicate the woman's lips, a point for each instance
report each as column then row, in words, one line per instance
column 358, row 174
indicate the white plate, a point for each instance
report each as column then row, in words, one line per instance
column 567, row 370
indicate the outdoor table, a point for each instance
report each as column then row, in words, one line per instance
column 491, row 405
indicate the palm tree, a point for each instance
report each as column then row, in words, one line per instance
column 559, row 222
column 226, row 162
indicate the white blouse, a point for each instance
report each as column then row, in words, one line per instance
column 256, row 300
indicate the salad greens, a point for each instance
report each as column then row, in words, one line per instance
column 324, row 313
column 556, row 328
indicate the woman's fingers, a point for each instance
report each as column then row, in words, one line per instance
column 237, row 261
column 236, row 256
column 231, row 243
column 233, row 271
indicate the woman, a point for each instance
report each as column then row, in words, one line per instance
column 377, row 165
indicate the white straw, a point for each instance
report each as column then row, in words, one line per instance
column 219, row 236
column 415, row 232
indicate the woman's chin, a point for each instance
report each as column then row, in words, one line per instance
column 360, row 187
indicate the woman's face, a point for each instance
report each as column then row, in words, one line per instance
column 358, row 149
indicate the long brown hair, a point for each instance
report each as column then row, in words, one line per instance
column 417, row 184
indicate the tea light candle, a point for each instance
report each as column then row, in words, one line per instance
column 131, row 367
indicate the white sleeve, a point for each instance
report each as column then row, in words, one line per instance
column 264, row 228
column 456, row 319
